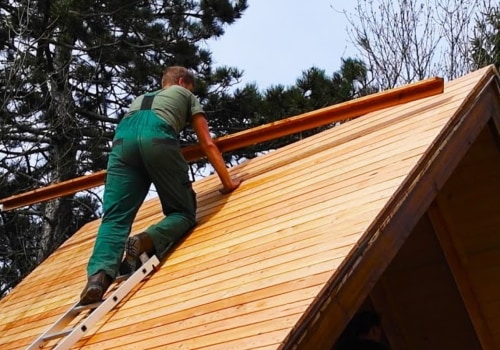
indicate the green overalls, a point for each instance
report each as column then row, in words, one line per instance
column 145, row 150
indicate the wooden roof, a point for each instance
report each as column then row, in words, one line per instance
column 300, row 243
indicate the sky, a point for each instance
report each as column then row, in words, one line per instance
column 276, row 40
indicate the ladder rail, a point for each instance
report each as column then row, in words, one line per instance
column 71, row 336
column 56, row 327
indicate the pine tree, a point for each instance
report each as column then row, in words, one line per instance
column 68, row 71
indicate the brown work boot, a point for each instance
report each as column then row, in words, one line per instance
column 97, row 285
column 135, row 246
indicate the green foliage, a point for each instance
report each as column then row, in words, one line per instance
column 486, row 41
column 68, row 71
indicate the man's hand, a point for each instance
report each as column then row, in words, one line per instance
column 235, row 183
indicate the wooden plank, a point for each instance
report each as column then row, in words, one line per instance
column 250, row 189
column 222, row 241
column 262, row 332
column 306, row 121
column 238, row 245
column 181, row 329
column 143, row 306
column 218, row 304
column 238, row 288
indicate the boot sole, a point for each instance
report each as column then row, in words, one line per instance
column 134, row 247
column 93, row 294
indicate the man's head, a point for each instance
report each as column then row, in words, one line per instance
column 178, row 75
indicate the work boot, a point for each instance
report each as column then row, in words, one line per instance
column 135, row 246
column 97, row 285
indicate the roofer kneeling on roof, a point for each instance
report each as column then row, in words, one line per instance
column 146, row 150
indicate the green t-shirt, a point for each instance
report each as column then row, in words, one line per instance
column 174, row 104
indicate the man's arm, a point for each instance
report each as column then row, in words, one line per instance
column 200, row 126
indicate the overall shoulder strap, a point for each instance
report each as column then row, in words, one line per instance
column 147, row 100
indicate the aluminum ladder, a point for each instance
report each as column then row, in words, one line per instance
column 69, row 336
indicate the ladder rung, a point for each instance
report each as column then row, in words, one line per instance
column 60, row 334
column 80, row 308
column 121, row 278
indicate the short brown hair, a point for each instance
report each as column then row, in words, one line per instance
column 172, row 74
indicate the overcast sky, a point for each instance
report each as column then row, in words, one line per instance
column 275, row 40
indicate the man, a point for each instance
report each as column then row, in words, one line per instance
column 146, row 150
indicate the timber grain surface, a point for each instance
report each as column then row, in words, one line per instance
column 259, row 257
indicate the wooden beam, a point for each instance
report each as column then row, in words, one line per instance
column 496, row 116
column 495, row 119
column 342, row 111
column 456, row 264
